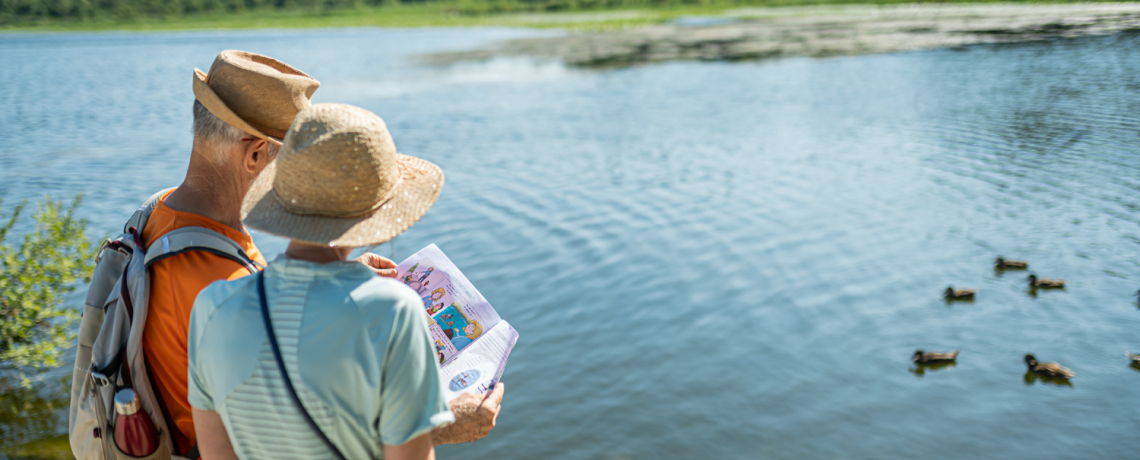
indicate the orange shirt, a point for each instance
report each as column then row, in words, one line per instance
column 174, row 284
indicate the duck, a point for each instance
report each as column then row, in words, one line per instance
column 1045, row 283
column 934, row 357
column 1001, row 263
column 1052, row 370
column 1135, row 358
column 958, row 294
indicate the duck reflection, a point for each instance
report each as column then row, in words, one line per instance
column 920, row 369
column 1031, row 377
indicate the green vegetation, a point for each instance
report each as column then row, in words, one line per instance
column 65, row 15
column 34, row 328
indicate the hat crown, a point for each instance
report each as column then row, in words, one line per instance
column 263, row 91
column 336, row 161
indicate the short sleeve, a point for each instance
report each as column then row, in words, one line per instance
column 411, row 393
column 197, row 392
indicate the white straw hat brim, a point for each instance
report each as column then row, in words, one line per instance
column 419, row 185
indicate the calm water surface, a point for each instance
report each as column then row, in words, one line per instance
column 707, row 259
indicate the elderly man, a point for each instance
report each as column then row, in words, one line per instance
column 242, row 109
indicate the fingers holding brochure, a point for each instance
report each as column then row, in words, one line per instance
column 475, row 416
column 494, row 402
column 383, row 266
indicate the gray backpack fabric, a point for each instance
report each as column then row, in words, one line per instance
column 109, row 355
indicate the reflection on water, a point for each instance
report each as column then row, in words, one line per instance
column 1031, row 377
column 919, row 369
column 708, row 259
column 31, row 416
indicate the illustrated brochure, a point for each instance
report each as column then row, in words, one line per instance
column 471, row 341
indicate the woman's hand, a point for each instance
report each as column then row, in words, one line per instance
column 383, row 266
column 475, row 415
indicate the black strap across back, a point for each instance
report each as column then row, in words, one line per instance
column 281, row 366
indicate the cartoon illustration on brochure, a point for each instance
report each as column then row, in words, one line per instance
column 435, row 308
column 458, row 327
column 434, row 296
column 439, row 349
column 409, row 275
column 423, row 281
column 464, row 379
column 426, row 274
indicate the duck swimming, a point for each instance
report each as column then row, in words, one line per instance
column 934, row 357
column 1134, row 358
column 1045, row 283
column 958, row 294
column 1001, row 263
column 1052, row 370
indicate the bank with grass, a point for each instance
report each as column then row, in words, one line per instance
column 592, row 15
column 819, row 31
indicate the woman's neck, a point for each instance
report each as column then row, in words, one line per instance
column 316, row 253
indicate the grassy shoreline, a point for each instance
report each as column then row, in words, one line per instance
column 819, row 31
column 441, row 14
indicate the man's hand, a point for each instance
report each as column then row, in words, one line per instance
column 379, row 264
column 474, row 417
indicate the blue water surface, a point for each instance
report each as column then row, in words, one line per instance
column 707, row 260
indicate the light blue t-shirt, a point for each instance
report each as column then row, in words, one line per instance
column 357, row 349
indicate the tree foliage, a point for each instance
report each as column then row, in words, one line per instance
column 26, row 12
column 35, row 328
column 15, row 11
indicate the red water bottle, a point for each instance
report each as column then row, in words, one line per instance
column 135, row 433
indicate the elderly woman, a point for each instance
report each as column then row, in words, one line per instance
column 317, row 357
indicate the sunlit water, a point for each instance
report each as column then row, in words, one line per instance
column 708, row 259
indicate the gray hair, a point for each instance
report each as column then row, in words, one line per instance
column 218, row 136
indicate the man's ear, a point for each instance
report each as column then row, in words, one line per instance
column 256, row 156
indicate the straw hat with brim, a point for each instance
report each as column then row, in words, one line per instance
column 254, row 93
column 338, row 181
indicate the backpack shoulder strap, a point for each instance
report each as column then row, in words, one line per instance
column 184, row 239
column 188, row 239
column 174, row 242
column 142, row 214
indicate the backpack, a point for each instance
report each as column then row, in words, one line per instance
column 109, row 354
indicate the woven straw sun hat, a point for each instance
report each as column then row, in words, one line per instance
column 338, row 181
column 254, row 93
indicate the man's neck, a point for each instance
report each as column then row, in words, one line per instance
column 210, row 191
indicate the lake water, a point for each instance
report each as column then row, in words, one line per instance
column 707, row 260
